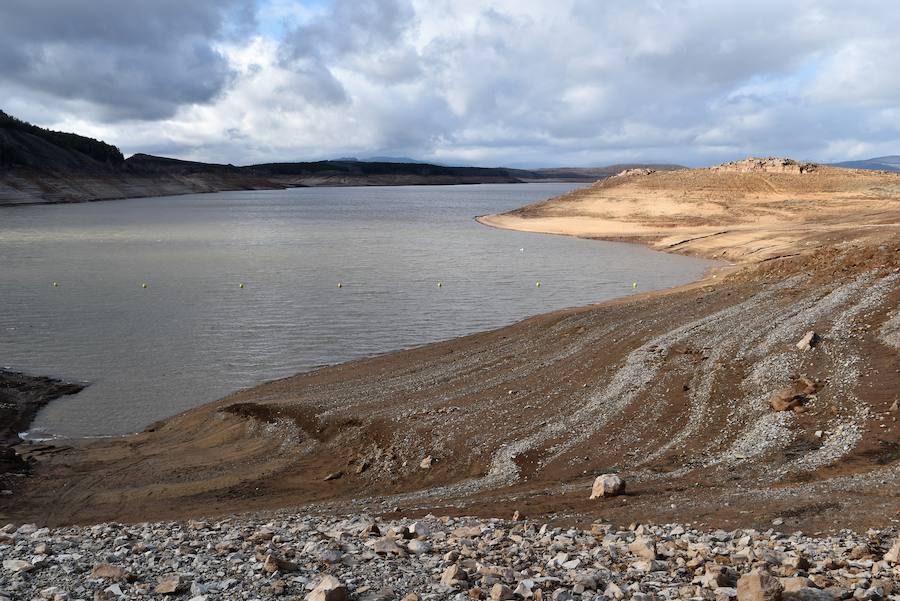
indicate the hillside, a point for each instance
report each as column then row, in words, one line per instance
column 25, row 145
column 43, row 166
column 705, row 398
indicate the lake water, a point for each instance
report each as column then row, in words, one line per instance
column 193, row 334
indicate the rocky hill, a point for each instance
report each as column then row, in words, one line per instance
column 766, row 165
column 756, row 208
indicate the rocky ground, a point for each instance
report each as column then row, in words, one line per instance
column 295, row 556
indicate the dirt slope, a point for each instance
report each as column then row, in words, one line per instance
column 670, row 389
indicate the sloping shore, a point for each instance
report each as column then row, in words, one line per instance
column 21, row 397
column 670, row 389
column 725, row 212
column 31, row 186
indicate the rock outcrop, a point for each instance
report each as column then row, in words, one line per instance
column 767, row 165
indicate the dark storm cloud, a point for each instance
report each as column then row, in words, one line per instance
column 349, row 27
column 124, row 60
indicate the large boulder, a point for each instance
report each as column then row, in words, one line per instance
column 643, row 546
column 607, row 485
column 759, row 585
column 893, row 555
column 328, row 589
column 809, row 340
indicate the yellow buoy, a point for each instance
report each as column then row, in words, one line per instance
column 340, row 285
column 241, row 285
column 440, row 284
column 634, row 284
column 538, row 284
column 144, row 286
column 56, row 284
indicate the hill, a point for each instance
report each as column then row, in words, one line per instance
column 888, row 163
column 756, row 208
column 25, row 145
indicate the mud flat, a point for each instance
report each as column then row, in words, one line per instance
column 673, row 390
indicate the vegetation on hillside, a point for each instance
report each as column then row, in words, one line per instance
column 96, row 149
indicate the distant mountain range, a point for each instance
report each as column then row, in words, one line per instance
column 38, row 165
column 888, row 163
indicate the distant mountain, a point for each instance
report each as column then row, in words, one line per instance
column 888, row 163
column 383, row 159
column 38, row 165
column 580, row 173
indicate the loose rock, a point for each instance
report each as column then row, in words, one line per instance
column 607, row 485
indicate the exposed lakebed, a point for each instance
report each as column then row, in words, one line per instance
column 328, row 274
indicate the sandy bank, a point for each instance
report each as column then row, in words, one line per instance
column 739, row 216
column 670, row 389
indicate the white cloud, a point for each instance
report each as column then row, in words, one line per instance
column 531, row 82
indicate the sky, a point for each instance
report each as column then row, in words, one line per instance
column 523, row 83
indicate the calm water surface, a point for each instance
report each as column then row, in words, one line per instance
column 194, row 335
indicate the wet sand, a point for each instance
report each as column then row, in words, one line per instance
column 670, row 389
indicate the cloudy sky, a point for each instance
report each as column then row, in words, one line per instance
column 505, row 82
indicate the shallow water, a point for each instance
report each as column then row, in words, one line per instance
column 193, row 334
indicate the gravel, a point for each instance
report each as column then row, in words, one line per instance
column 250, row 557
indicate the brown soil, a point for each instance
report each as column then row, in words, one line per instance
column 669, row 389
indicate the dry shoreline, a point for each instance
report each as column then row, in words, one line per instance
column 670, row 388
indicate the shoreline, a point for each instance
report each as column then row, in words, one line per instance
column 713, row 272
column 628, row 383
column 21, row 398
column 707, row 278
column 168, row 187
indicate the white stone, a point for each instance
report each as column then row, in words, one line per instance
column 607, row 485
